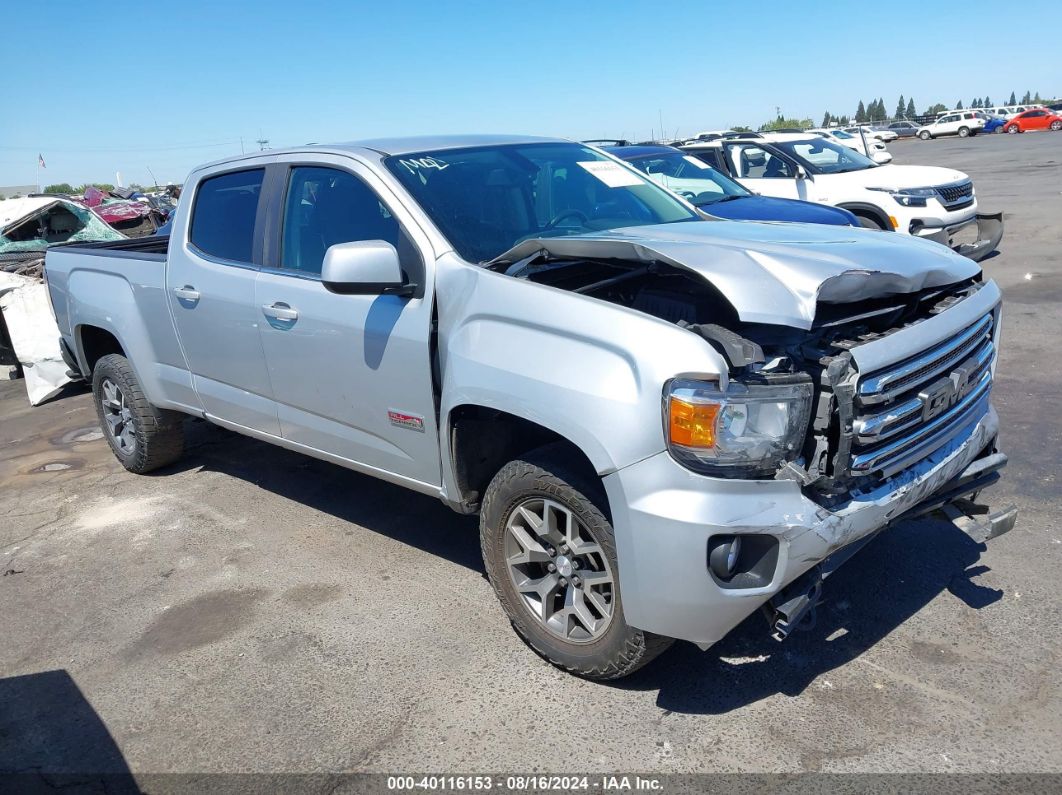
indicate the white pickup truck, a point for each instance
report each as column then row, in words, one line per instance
column 664, row 421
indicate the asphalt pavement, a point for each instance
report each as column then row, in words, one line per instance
column 250, row 609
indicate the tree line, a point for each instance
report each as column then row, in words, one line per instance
column 905, row 109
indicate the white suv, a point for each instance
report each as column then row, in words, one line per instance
column 961, row 123
column 923, row 201
column 860, row 141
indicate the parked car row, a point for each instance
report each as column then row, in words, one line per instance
column 789, row 176
column 972, row 122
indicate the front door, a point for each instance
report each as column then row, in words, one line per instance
column 211, row 283
column 763, row 171
column 351, row 374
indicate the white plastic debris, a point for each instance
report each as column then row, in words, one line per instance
column 34, row 335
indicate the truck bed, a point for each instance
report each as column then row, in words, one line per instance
column 150, row 248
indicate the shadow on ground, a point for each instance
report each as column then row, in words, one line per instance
column 51, row 738
column 396, row 512
column 885, row 583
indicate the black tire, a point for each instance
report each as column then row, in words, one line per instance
column 1012, row 129
column 925, row 135
column 621, row 649
column 1056, row 125
column 867, row 222
column 964, row 131
column 158, row 434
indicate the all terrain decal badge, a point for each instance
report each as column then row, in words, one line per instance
column 412, row 421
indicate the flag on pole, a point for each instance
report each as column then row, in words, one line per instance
column 40, row 160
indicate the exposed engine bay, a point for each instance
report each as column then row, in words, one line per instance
column 763, row 351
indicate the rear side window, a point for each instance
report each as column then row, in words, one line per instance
column 224, row 212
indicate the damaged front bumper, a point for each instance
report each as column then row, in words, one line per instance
column 664, row 516
column 989, row 231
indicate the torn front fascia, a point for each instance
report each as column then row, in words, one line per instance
column 832, row 417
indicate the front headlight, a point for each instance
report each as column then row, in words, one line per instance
column 909, row 197
column 748, row 431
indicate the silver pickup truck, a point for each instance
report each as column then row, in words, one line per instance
column 665, row 421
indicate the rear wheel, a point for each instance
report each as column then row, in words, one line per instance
column 924, row 135
column 142, row 436
column 550, row 553
column 964, row 131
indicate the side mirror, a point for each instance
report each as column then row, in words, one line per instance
column 364, row 267
column 801, row 173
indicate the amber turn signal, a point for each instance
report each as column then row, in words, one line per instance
column 692, row 424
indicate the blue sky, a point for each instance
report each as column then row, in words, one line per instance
column 202, row 75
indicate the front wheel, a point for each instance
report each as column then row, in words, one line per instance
column 1056, row 125
column 867, row 222
column 1012, row 129
column 924, row 135
column 141, row 436
column 550, row 553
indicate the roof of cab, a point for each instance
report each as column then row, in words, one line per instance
column 426, row 143
column 391, row 146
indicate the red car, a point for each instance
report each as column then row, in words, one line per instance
column 1035, row 119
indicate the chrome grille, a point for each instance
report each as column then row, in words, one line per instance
column 955, row 194
column 906, row 411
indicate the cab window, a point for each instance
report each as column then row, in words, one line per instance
column 325, row 206
column 223, row 215
column 752, row 162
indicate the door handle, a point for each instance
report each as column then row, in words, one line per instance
column 280, row 311
column 186, row 293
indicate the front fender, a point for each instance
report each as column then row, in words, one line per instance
column 591, row 371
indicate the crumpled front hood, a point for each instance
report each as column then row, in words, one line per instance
column 774, row 272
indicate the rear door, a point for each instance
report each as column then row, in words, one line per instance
column 351, row 374
column 1035, row 120
column 211, row 280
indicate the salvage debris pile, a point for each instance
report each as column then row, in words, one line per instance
column 29, row 338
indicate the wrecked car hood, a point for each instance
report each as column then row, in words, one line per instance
column 773, row 272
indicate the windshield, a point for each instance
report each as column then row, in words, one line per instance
column 689, row 177
column 822, row 156
column 842, row 134
column 486, row 200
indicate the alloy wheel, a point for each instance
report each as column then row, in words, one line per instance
column 559, row 571
column 118, row 416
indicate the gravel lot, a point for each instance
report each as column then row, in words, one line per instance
column 254, row 610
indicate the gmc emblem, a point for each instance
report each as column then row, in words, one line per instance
column 941, row 395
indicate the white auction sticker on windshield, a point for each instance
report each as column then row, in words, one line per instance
column 696, row 161
column 612, row 174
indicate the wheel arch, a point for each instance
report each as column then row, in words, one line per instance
column 479, row 440
column 93, row 343
column 868, row 210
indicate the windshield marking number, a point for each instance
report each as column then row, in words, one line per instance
column 415, row 163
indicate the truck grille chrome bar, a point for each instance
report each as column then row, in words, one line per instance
column 904, row 412
column 885, row 385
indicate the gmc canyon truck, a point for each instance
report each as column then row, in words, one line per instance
column 664, row 421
